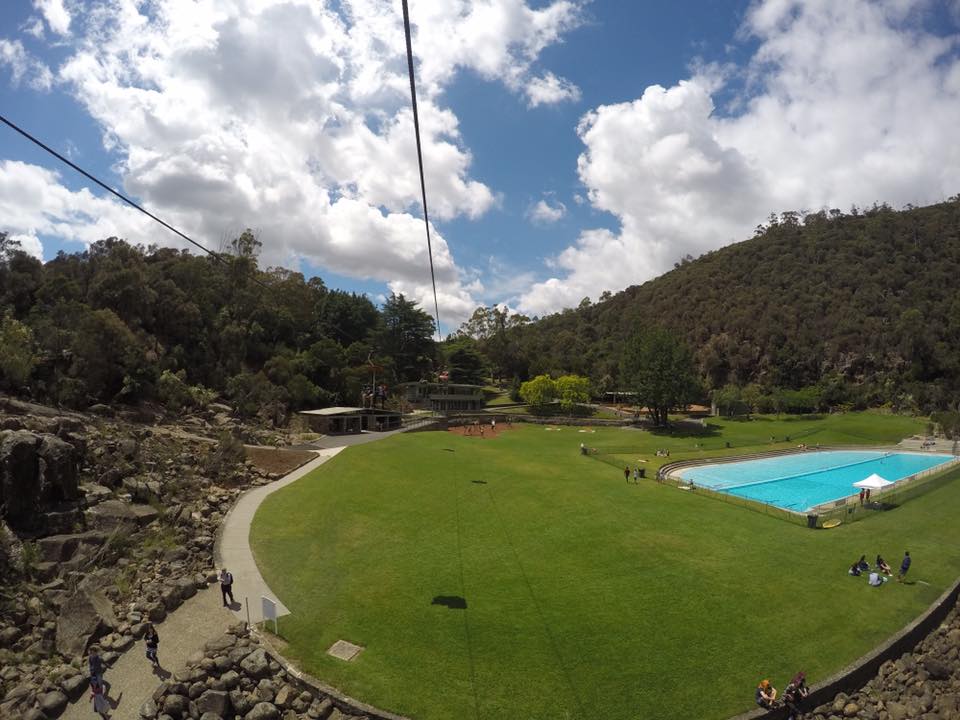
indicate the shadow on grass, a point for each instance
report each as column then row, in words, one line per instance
column 685, row 430
column 451, row 602
column 479, row 482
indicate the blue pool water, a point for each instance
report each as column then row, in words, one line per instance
column 798, row 482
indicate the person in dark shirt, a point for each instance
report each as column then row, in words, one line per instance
column 96, row 665
column 795, row 693
column 883, row 567
column 904, row 566
column 766, row 695
column 863, row 564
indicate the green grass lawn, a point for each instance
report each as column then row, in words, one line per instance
column 586, row 596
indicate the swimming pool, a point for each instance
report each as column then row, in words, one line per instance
column 802, row 481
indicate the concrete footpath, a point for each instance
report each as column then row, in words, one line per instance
column 233, row 550
column 132, row 679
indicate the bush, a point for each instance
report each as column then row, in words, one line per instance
column 223, row 461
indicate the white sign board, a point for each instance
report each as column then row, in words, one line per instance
column 269, row 608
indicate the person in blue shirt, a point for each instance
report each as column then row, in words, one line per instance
column 904, row 566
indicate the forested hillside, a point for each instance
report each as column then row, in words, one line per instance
column 865, row 305
column 124, row 323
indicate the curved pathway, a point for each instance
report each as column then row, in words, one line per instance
column 233, row 550
column 132, row 679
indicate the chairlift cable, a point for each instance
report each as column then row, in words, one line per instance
column 423, row 184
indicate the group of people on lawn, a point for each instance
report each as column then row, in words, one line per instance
column 882, row 572
column 797, row 690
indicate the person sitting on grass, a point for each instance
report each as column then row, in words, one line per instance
column 766, row 695
column 883, row 567
column 863, row 564
column 855, row 570
column 794, row 695
column 876, row 579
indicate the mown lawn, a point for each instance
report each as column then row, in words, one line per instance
column 585, row 596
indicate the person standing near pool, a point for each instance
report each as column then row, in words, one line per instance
column 904, row 566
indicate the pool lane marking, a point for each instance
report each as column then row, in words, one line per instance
column 536, row 603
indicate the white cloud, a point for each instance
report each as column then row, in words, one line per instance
column 545, row 213
column 56, row 15
column 844, row 103
column 24, row 67
column 550, row 89
column 30, row 244
column 290, row 116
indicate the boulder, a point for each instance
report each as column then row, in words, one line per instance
column 263, row 711
column 85, row 616
column 186, row 586
column 74, row 686
column 285, row 696
column 58, row 470
column 148, row 710
column 215, row 701
column 256, row 665
column 19, row 474
column 937, row 669
column 112, row 513
column 176, row 706
column 52, row 703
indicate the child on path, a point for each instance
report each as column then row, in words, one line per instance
column 152, row 640
column 99, row 699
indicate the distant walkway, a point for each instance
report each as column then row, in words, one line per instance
column 233, row 543
column 132, row 679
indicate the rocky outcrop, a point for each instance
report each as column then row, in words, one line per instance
column 37, row 472
column 86, row 616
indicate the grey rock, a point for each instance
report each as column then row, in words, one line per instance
column 85, row 616
column 936, row 669
column 148, row 710
column 230, row 679
column 210, row 716
column 58, row 470
column 176, row 706
column 263, row 711
column 111, row 514
column 256, row 665
column 74, row 686
column 285, row 696
column 52, row 703
column 215, row 701
column 9, row 635
column 896, row 711
column 221, row 643
column 241, row 702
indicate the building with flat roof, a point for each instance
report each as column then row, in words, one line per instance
column 445, row 397
column 351, row 420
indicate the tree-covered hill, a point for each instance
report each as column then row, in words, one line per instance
column 120, row 322
column 864, row 304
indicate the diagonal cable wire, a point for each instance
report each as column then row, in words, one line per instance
column 216, row 256
column 416, row 130
column 106, row 187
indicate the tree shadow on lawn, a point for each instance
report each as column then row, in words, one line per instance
column 451, row 602
column 686, row 430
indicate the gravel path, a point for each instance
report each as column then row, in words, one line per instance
column 132, row 679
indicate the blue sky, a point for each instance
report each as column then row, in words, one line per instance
column 570, row 147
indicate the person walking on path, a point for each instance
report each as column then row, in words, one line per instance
column 626, row 473
column 904, row 566
column 636, row 475
column 99, row 699
column 152, row 640
column 95, row 663
column 226, row 587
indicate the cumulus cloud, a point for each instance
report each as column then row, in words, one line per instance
column 544, row 212
column 56, row 15
column 549, row 90
column 24, row 67
column 841, row 103
column 290, row 116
